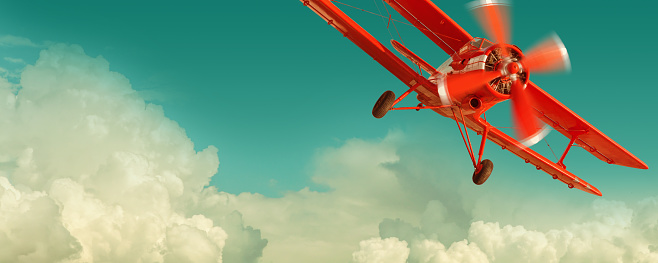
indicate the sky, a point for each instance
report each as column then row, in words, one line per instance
column 201, row 131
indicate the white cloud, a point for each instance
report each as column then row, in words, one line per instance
column 30, row 227
column 15, row 60
column 9, row 40
column 377, row 250
column 386, row 193
column 429, row 251
column 310, row 226
column 614, row 233
column 515, row 243
column 90, row 172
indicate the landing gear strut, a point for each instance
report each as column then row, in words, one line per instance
column 482, row 168
column 387, row 100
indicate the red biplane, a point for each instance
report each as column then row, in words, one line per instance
column 478, row 75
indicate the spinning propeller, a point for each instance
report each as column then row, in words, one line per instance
column 548, row 56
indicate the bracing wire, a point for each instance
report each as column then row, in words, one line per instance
column 394, row 26
column 549, row 147
column 438, row 35
column 435, row 34
column 380, row 14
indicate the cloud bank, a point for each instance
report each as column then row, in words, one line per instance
column 615, row 233
column 89, row 172
column 422, row 214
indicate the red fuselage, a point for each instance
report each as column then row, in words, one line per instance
column 480, row 55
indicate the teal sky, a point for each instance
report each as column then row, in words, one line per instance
column 269, row 83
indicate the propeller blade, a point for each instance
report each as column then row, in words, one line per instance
column 494, row 18
column 526, row 124
column 548, row 56
column 472, row 79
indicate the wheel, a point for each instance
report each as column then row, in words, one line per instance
column 481, row 175
column 383, row 104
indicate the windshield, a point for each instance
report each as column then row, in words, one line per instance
column 480, row 43
column 475, row 44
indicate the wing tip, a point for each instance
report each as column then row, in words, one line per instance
column 639, row 164
column 631, row 161
column 591, row 189
column 597, row 192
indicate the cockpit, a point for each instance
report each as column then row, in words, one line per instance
column 476, row 44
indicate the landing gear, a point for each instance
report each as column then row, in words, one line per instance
column 383, row 104
column 482, row 172
column 482, row 168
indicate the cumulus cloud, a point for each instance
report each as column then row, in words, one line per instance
column 387, row 201
column 390, row 250
column 311, row 226
column 430, row 251
column 30, row 227
column 612, row 235
column 615, row 232
column 90, row 172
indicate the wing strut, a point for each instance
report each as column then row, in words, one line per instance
column 560, row 162
column 574, row 137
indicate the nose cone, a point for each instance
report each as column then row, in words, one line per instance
column 513, row 68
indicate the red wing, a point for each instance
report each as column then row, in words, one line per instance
column 433, row 22
column 508, row 143
column 567, row 122
column 355, row 33
column 539, row 161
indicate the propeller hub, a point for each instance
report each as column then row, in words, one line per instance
column 513, row 68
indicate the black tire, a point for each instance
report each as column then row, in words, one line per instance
column 481, row 176
column 383, row 104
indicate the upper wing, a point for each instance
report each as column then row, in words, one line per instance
column 433, row 22
column 569, row 124
column 355, row 33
